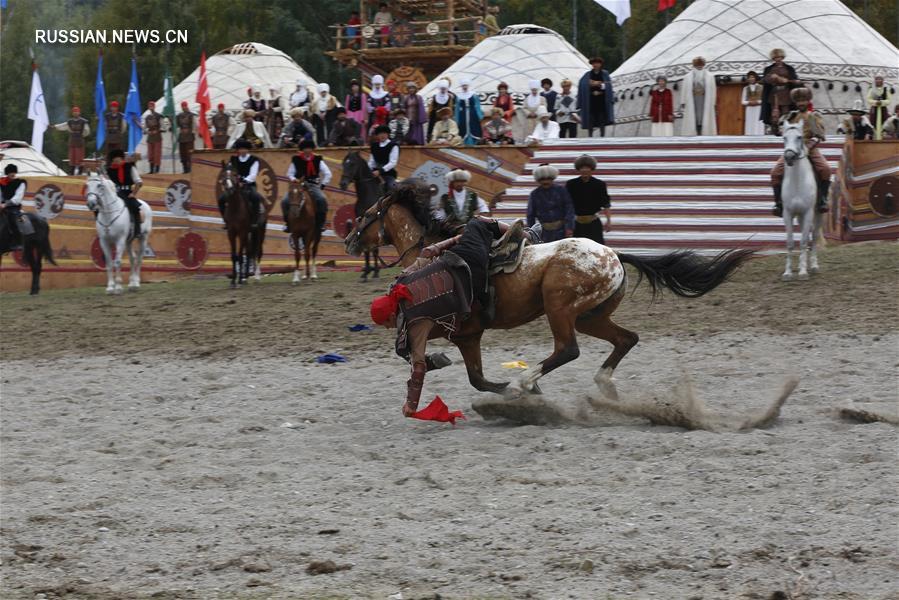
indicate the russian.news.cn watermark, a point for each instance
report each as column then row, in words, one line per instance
column 107, row 36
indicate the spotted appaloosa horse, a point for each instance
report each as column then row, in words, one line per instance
column 576, row 282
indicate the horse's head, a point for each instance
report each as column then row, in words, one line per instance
column 98, row 191
column 229, row 178
column 368, row 232
column 350, row 169
column 794, row 145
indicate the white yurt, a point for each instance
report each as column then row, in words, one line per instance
column 832, row 49
column 30, row 162
column 516, row 55
column 228, row 74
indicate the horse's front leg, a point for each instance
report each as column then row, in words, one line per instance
column 366, row 268
column 36, row 266
column 307, row 252
column 470, row 347
column 107, row 255
column 805, row 228
column 119, row 253
column 296, row 258
column 788, row 227
column 376, row 260
column 137, row 259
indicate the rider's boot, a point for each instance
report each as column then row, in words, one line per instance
column 15, row 234
column 413, row 388
column 135, row 218
column 778, row 202
column 823, row 191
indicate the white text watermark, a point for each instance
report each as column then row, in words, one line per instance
column 110, row 36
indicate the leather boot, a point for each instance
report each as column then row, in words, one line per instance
column 413, row 388
column 778, row 203
column 437, row 360
column 823, row 192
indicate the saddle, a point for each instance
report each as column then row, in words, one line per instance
column 26, row 227
column 506, row 252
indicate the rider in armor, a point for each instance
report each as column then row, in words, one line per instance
column 12, row 192
column 313, row 168
column 458, row 205
column 127, row 182
column 247, row 167
column 813, row 133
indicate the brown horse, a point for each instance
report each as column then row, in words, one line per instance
column 301, row 225
column 576, row 282
column 237, row 222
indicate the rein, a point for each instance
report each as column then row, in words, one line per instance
column 383, row 239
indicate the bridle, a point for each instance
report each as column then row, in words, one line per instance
column 382, row 207
column 102, row 207
column 802, row 149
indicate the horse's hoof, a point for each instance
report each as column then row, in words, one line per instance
column 314, row 277
column 814, row 270
column 110, row 291
column 496, row 388
column 803, row 277
column 787, row 277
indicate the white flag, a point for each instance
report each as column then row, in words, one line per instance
column 37, row 112
column 620, row 8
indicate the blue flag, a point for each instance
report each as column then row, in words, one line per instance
column 132, row 110
column 100, row 104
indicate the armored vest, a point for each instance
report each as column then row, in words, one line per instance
column 114, row 127
column 185, row 123
column 153, row 123
column 220, row 123
column 76, row 131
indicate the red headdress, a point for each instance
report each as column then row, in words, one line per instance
column 383, row 307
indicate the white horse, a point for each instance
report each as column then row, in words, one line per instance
column 799, row 193
column 115, row 232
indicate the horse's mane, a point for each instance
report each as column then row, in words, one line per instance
column 414, row 195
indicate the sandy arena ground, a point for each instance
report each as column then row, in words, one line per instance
column 181, row 443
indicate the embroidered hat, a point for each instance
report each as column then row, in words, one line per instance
column 458, row 175
column 800, row 93
column 545, row 171
column 585, row 160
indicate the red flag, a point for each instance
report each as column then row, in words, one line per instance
column 437, row 411
column 666, row 4
column 203, row 100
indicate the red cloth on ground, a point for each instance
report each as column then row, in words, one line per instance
column 438, row 411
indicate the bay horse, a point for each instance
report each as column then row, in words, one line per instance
column 237, row 222
column 576, row 282
column 35, row 247
column 116, row 232
column 368, row 190
column 799, row 193
column 301, row 225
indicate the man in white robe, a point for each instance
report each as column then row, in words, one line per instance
column 544, row 130
column 698, row 98
column 258, row 131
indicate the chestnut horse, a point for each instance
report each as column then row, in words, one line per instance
column 576, row 282
column 301, row 225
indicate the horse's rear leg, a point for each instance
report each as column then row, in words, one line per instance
column 36, row 266
column 470, row 347
column 788, row 227
column 598, row 323
column 565, row 349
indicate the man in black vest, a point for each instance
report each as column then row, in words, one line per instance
column 12, row 192
column 116, row 127
column 247, row 168
column 127, row 182
column 385, row 154
column 78, row 128
column 311, row 167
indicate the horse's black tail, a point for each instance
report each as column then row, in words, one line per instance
column 686, row 273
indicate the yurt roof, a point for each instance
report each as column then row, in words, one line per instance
column 515, row 55
column 30, row 162
column 230, row 72
column 823, row 39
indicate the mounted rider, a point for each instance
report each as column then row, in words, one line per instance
column 247, row 168
column 439, row 294
column 385, row 155
column 127, row 181
column 312, row 168
column 813, row 133
column 12, row 192
column 457, row 207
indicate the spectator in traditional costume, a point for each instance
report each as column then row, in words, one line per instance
column 116, row 128
column 78, row 129
column 497, row 131
column 891, row 127
column 468, row 114
column 393, row 94
column 382, row 22
column 504, row 101
column 356, row 104
column 345, row 132
column 153, row 124
column 400, row 127
column 381, row 116
column 698, row 99
column 596, row 98
column 300, row 97
column 527, row 112
column 661, row 109
column 459, row 205
column 252, row 131
column 778, row 79
column 550, row 95
column 186, row 122
column 857, row 126
column 377, row 97
column 446, row 131
column 813, row 134
column 590, row 197
column 551, row 205
column 313, row 169
column 566, row 111
column 385, row 156
column 443, row 98
column 544, row 130
column 752, row 101
column 879, row 100
column 275, row 112
column 297, row 131
column 256, row 103
column 222, row 124
column 324, row 112
column 418, row 116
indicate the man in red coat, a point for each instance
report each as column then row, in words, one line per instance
column 661, row 109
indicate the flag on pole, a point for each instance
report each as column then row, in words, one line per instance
column 203, row 100
column 132, row 110
column 620, row 8
column 168, row 110
column 100, row 104
column 37, row 111
column 666, row 4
